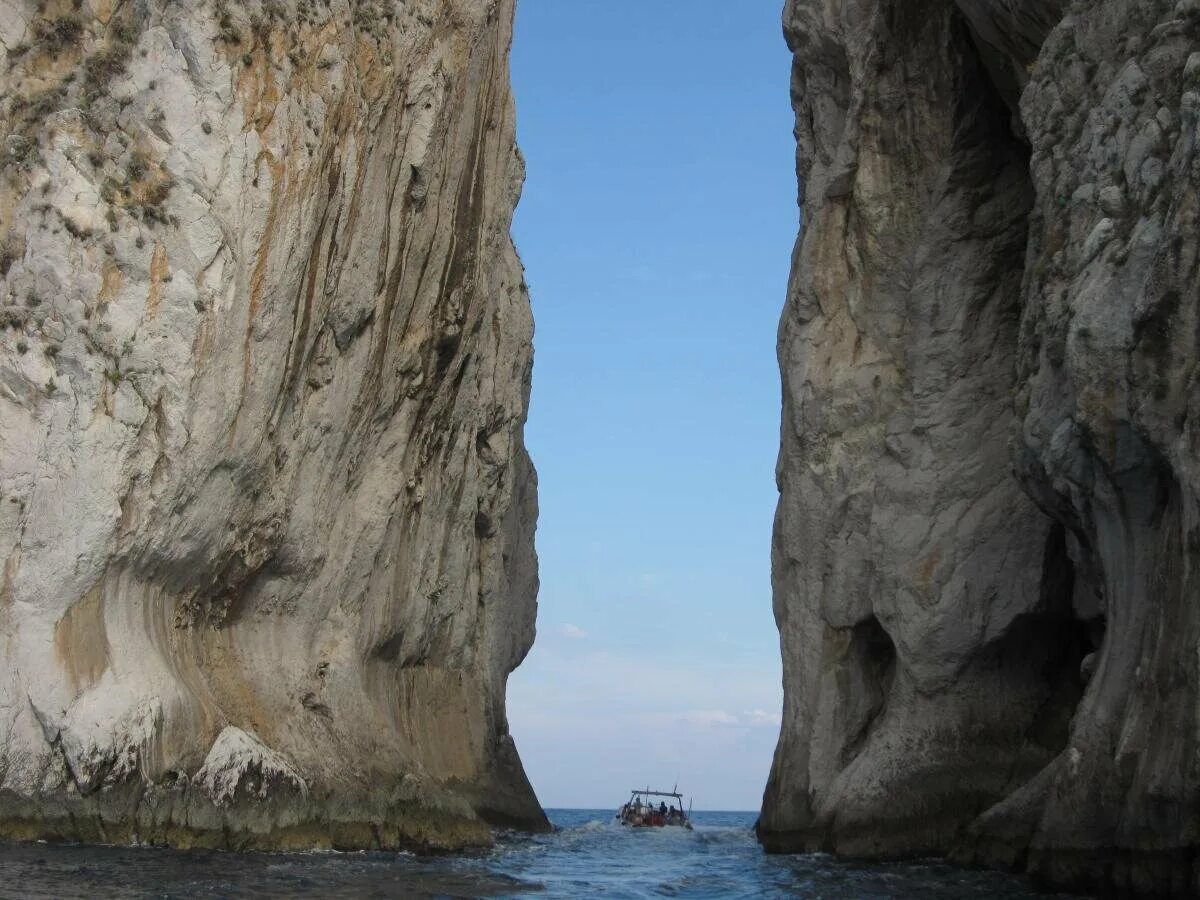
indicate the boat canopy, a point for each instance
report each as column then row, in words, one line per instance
column 638, row 792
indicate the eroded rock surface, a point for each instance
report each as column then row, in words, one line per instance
column 985, row 546
column 266, row 516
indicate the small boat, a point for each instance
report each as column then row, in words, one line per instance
column 655, row 809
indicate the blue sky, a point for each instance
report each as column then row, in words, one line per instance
column 656, row 230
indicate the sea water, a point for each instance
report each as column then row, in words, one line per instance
column 588, row 855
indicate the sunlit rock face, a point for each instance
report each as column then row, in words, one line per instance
column 985, row 545
column 266, row 517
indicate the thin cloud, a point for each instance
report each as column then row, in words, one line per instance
column 707, row 718
column 761, row 717
column 574, row 632
column 695, row 718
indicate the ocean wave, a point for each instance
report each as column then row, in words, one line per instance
column 723, row 834
column 595, row 825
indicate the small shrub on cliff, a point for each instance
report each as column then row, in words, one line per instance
column 145, row 190
column 56, row 35
column 36, row 107
column 77, row 231
column 150, row 206
column 13, row 317
column 138, row 166
column 370, row 19
column 228, row 33
column 19, row 149
column 102, row 67
column 10, row 252
column 127, row 31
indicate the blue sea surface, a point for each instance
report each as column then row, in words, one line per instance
column 588, row 855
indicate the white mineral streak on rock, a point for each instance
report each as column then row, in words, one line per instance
column 997, row 275
column 265, row 352
column 238, row 759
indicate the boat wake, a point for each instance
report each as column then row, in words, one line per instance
column 596, row 825
column 723, row 834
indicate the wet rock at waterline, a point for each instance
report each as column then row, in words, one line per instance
column 265, row 512
column 985, row 549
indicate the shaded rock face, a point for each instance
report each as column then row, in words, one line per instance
column 266, row 518
column 984, row 548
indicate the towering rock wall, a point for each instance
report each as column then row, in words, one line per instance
column 984, row 548
column 266, row 516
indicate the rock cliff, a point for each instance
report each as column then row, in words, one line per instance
column 985, row 548
column 266, row 518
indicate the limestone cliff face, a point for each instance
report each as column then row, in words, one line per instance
column 266, row 516
column 985, row 546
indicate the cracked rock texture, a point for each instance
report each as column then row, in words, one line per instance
column 985, row 548
column 266, row 518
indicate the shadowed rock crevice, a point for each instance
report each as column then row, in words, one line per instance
column 871, row 668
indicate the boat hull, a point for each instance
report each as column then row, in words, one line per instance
column 654, row 822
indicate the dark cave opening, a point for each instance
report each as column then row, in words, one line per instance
column 871, row 657
column 873, row 647
column 1063, row 641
